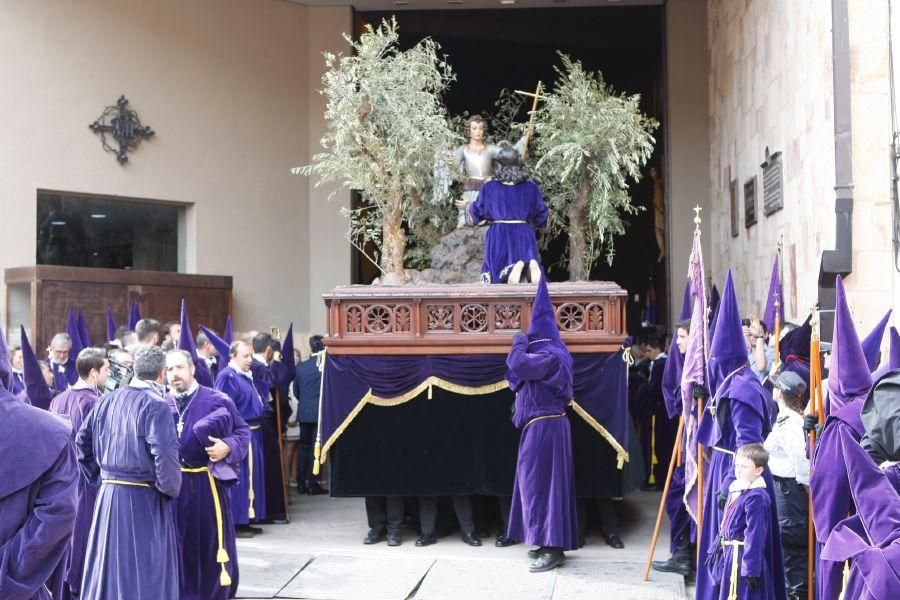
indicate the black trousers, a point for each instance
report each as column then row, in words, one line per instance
column 792, row 503
column 609, row 517
column 384, row 512
column 462, row 506
column 305, row 456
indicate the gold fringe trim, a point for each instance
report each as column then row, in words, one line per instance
column 622, row 454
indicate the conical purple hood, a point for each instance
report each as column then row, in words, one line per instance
column 186, row 343
column 774, row 296
column 35, row 386
column 74, row 333
column 871, row 344
column 728, row 349
column 543, row 317
column 797, row 342
column 221, row 346
column 5, row 366
column 849, row 377
column 111, row 326
column 893, row 362
column 685, row 313
column 228, row 332
column 134, row 314
column 83, row 331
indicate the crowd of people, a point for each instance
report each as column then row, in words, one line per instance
column 133, row 466
column 775, row 463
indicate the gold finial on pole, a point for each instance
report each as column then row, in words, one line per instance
column 533, row 113
column 697, row 219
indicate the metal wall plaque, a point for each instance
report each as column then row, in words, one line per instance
column 773, row 187
column 750, row 202
column 121, row 126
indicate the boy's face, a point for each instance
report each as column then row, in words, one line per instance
column 745, row 470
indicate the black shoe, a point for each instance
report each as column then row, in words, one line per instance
column 534, row 553
column 426, row 539
column 503, row 541
column 280, row 521
column 547, row 561
column 615, row 541
column 317, row 491
column 672, row 566
column 243, row 532
column 471, row 539
column 373, row 537
column 393, row 538
column 581, row 541
column 256, row 530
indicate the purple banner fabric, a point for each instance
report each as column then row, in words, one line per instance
column 600, row 386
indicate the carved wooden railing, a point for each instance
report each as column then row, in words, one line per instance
column 468, row 319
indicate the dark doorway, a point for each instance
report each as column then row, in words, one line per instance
column 492, row 50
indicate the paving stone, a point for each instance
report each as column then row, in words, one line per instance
column 485, row 580
column 263, row 574
column 583, row 580
column 335, row 577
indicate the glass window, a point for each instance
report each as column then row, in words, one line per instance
column 107, row 233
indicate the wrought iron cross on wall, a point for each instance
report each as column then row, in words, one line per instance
column 124, row 127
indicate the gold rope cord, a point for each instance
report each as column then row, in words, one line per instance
column 221, row 554
column 465, row 390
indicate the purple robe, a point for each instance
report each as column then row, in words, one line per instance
column 18, row 383
column 132, row 550
column 74, row 405
column 252, row 409
column 743, row 415
column 508, row 243
column 207, row 413
column 266, row 378
column 543, row 511
column 829, row 485
column 748, row 518
column 38, row 476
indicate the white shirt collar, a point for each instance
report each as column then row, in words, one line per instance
column 81, row 384
column 260, row 358
column 191, row 389
column 739, row 485
column 248, row 374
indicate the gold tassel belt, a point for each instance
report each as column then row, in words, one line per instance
column 222, row 554
column 544, row 417
column 508, row 222
column 735, row 562
column 123, row 482
column 255, row 426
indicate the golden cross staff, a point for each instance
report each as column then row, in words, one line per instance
column 533, row 112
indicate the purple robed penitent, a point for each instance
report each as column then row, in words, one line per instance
column 748, row 519
column 738, row 413
column 507, row 243
column 849, row 381
column 206, row 413
column 132, row 550
column 248, row 489
column 38, row 476
column 543, row 511
column 75, row 405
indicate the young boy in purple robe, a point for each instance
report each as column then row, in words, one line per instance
column 740, row 559
column 248, row 495
column 38, row 475
column 543, row 511
column 74, row 405
column 213, row 441
column 128, row 446
column 511, row 203
column 738, row 413
column 849, row 381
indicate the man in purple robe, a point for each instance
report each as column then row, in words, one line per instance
column 128, row 446
column 207, row 353
column 248, row 495
column 511, row 203
column 682, row 530
column 74, row 405
column 38, row 476
column 738, row 413
column 213, row 441
column 62, row 363
column 849, row 381
column 741, row 559
column 543, row 511
column 869, row 539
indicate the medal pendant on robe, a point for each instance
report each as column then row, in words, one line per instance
column 180, row 427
